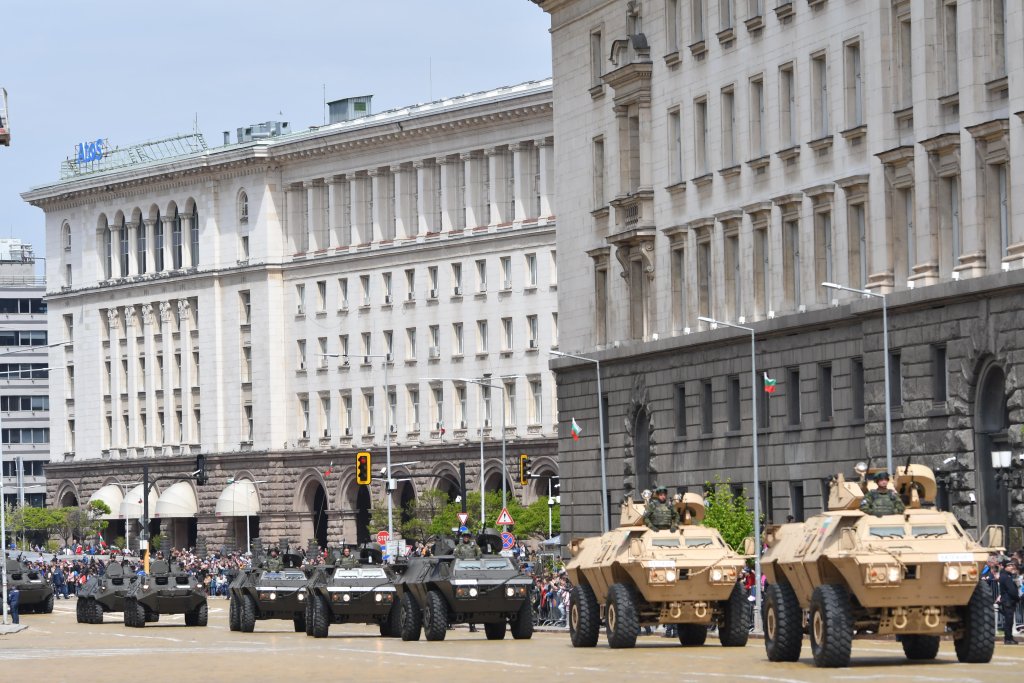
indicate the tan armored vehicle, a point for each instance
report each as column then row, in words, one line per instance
column 633, row 576
column 914, row 575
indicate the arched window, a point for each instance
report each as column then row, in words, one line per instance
column 158, row 246
column 108, row 250
column 65, row 237
column 176, row 244
column 243, row 207
column 140, row 245
column 123, row 233
column 194, row 234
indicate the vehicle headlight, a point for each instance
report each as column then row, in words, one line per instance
column 952, row 573
column 716, row 574
column 346, row 597
column 145, row 586
column 893, row 574
column 302, row 596
column 510, row 591
column 378, row 597
column 670, row 575
column 473, row 592
column 273, row 596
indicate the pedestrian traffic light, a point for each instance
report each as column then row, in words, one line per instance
column 363, row 474
column 524, row 469
column 201, row 476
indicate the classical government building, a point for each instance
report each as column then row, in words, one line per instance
column 280, row 303
column 721, row 159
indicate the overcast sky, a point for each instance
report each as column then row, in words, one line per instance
column 136, row 70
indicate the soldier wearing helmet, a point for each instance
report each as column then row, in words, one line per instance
column 348, row 561
column 274, row 563
column 467, row 550
column 660, row 513
column 883, row 500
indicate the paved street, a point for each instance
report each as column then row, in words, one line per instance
column 56, row 648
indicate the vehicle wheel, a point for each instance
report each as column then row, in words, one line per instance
column 621, row 615
column 310, row 597
column 977, row 644
column 495, row 630
column 735, row 628
column 234, row 620
column 190, row 618
column 394, row 622
column 80, row 611
column 435, row 618
column 247, row 614
column 136, row 612
column 151, row 616
column 321, row 617
column 94, row 611
column 920, row 647
column 522, row 627
column 128, row 612
column 831, row 626
column 202, row 615
column 411, row 618
column 584, row 617
column 47, row 607
column 299, row 623
column 783, row 623
column 692, row 635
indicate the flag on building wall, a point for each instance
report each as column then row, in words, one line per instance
column 769, row 384
column 576, row 431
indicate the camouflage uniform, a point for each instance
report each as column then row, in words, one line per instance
column 880, row 503
column 467, row 551
column 661, row 515
column 348, row 562
column 274, row 563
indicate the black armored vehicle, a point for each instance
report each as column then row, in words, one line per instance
column 267, row 591
column 105, row 594
column 360, row 591
column 166, row 589
column 36, row 591
column 442, row 590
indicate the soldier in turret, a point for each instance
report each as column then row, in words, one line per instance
column 347, row 561
column 883, row 500
column 467, row 550
column 274, row 563
column 661, row 514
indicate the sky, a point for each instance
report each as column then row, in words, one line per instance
column 137, row 70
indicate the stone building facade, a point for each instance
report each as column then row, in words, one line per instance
column 279, row 304
column 722, row 159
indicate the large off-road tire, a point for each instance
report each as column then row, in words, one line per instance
column 234, row 619
column 321, row 617
column 80, row 611
column 392, row 627
column 623, row 622
column 691, row 635
column 299, row 623
column 831, row 626
column 522, row 627
column 411, row 618
column 202, row 614
column 128, row 613
column 920, row 647
column 584, row 617
column 977, row 643
column 735, row 627
column 190, row 618
column 94, row 611
column 136, row 612
column 310, row 600
column 247, row 614
column 152, row 617
column 783, row 623
column 47, row 606
column 435, row 617
column 495, row 630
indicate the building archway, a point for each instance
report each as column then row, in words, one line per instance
column 406, row 498
column 314, row 511
column 991, row 424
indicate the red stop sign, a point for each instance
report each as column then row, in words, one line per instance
column 383, row 537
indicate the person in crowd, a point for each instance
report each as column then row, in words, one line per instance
column 1009, row 596
column 883, row 500
column 13, row 600
column 60, row 584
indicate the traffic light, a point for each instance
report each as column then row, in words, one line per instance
column 524, row 469
column 363, row 474
column 201, row 476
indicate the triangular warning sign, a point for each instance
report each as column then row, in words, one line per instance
column 463, row 518
column 504, row 518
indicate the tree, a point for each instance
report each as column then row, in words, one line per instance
column 414, row 520
column 728, row 513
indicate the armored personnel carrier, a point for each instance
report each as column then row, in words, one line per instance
column 36, row 591
column 105, row 594
column 913, row 574
column 634, row 576
column 442, row 590
column 259, row 593
column 362, row 594
column 164, row 590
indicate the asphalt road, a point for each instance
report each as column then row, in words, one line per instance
column 55, row 648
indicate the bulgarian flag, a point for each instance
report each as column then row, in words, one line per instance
column 769, row 384
column 576, row 431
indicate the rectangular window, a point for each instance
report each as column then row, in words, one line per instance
column 761, row 271
column 700, row 130
column 322, row 359
column 675, row 147
column 346, row 414
column 481, row 336
column 857, row 388
column 680, row 409
column 904, row 51
column 998, row 38
column 724, row 14
column 414, row 409
column 823, row 259
column 728, row 116
column 757, row 120
column 457, row 279
column 796, row 501
column 679, row 289
column 389, row 346
column 952, row 239
column 598, row 173
column 300, row 354
column 536, row 402
column 506, row 334
column 554, row 329
column 793, row 396
column 825, row 392
column 531, row 270
column 432, row 281
column 819, row 92
column 342, row 293
column 787, row 106
column 671, row 26
column 733, row 278
column 853, row 86
column 510, row 403
column 364, row 290
column 532, row 332
column 939, row 373
column 895, row 381
column 300, row 299
column 600, row 306
column 857, row 245
column 481, row 276
column 458, row 343
column 410, row 343
column 596, row 58
column 763, row 400
column 506, row 272
column 707, row 408
column 321, row 296
column 325, row 416
column 410, row 284
column 696, row 21
column 1003, row 217
column 704, row 279
column 791, row 262
column 386, row 284
column 948, row 37
column 734, row 403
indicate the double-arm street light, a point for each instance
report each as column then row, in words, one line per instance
column 885, row 361
column 757, row 479
column 600, row 433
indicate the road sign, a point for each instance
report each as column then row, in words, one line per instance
column 382, row 537
column 508, row 541
column 463, row 518
column 505, row 519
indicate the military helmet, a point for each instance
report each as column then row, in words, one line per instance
column 879, row 476
column 661, row 489
column 274, row 550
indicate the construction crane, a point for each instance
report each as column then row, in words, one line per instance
column 5, row 128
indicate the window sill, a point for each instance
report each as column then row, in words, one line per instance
column 676, row 188
column 824, row 424
column 600, row 212
column 482, row 354
column 784, row 11
column 950, row 100
column 793, row 428
column 699, row 48
column 759, row 163
column 856, row 133
column 734, row 433
column 343, row 311
column 998, row 87
column 726, row 36
column 789, row 153
column 904, row 117
column 938, row 409
column 754, row 24
column 816, row 3
column 321, row 314
column 821, row 144
column 730, row 171
column 702, row 180
column 672, row 59
column 597, row 91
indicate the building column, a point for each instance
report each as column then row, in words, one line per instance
column 149, row 350
column 776, row 278
column 449, row 193
column 406, row 204
column 926, row 224
column 336, row 187
column 972, row 210
column 547, row 176
column 881, row 274
column 362, row 222
column 134, row 384
column 184, row 317
column 379, row 218
column 294, row 199
column 114, row 325
column 474, row 189
column 840, row 242
column 497, row 185
column 748, row 308
column 186, row 240
column 522, row 168
column 167, row 381
column 315, row 228
column 427, row 207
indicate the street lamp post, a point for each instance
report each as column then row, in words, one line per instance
column 600, row 434
column 757, row 478
column 885, row 362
